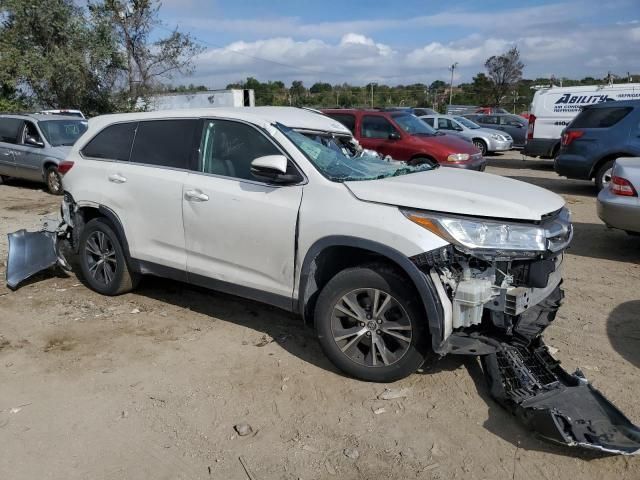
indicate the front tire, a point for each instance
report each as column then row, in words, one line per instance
column 603, row 175
column 414, row 162
column 371, row 325
column 102, row 260
column 53, row 180
column 480, row 145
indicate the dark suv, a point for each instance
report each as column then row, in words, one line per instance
column 596, row 137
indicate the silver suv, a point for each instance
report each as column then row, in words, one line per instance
column 33, row 145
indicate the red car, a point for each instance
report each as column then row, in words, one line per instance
column 403, row 136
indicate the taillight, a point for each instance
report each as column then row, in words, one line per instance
column 622, row 186
column 532, row 121
column 570, row 136
column 65, row 166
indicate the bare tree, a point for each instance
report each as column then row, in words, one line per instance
column 505, row 71
column 147, row 60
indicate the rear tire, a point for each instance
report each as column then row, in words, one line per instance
column 480, row 145
column 371, row 324
column 102, row 260
column 603, row 175
column 3, row 179
column 53, row 180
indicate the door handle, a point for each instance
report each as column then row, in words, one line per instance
column 196, row 196
column 117, row 178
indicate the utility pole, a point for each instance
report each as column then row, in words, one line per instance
column 452, row 68
column 372, row 84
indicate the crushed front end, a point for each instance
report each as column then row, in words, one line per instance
column 496, row 302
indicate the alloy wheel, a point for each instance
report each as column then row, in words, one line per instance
column 53, row 181
column 371, row 327
column 101, row 257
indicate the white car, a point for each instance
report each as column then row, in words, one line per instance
column 388, row 261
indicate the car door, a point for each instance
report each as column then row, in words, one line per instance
column 142, row 181
column 10, row 128
column 376, row 134
column 240, row 233
column 29, row 157
column 517, row 129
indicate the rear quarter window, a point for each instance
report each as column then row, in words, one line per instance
column 112, row 143
column 600, row 117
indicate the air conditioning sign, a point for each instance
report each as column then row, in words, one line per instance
column 570, row 103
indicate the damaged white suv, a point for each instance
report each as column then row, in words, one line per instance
column 388, row 261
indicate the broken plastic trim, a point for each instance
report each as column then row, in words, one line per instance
column 30, row 253
column 558, row 406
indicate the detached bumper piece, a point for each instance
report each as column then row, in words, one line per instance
column 558, row 406
column 30, row 253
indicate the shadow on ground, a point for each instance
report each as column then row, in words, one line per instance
column 20, row 183
column 560, row 185
column 623, row 329
column 497, row 160
column 595, row 240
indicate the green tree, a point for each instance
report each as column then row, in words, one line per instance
column 505, row 71
column 57, row 56
column 149, row 56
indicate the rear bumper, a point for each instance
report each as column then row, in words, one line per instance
column 619, row 212
column 573, row 166
column 540, row 147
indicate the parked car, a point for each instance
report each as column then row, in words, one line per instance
column 485, row 139
column 514, row 125
column 596, row 137
column 490, row 110
column 403, row 136
column 618, row 204
column 553, row 108
column 417, row 111
column 64, row 112
column 32, row 146
column 387, row 261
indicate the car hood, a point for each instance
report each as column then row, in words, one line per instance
column 491, row 131
column 460, row 192
column 59, row 152
column 455, row 143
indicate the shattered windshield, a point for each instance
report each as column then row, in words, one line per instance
column 466, row 122
column 339, row 164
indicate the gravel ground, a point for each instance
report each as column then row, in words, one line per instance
column 151, row 384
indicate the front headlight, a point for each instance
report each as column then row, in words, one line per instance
column 496, row 136
column 458, row 157
column 478, row 235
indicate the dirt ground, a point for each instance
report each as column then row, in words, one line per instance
column 151, row 384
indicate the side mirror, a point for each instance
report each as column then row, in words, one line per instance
column 394, row 136
column 272, row 169
column 33, row 142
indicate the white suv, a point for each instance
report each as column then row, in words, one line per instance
column 281, row 206
column 388, row 261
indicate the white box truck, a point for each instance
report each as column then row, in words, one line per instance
column 210, row 98
column 552, row 109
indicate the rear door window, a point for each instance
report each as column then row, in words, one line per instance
column 488, row 119
column 428, row 121
column 600, row 117
column 9, row 129
column 346, row 119
column 376, row 127
column 112, row 143
column 165, row 143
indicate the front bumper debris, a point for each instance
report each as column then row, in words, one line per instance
column 560, row 407
column 32, row 252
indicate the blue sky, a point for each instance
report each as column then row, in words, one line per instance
column 359, row 41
